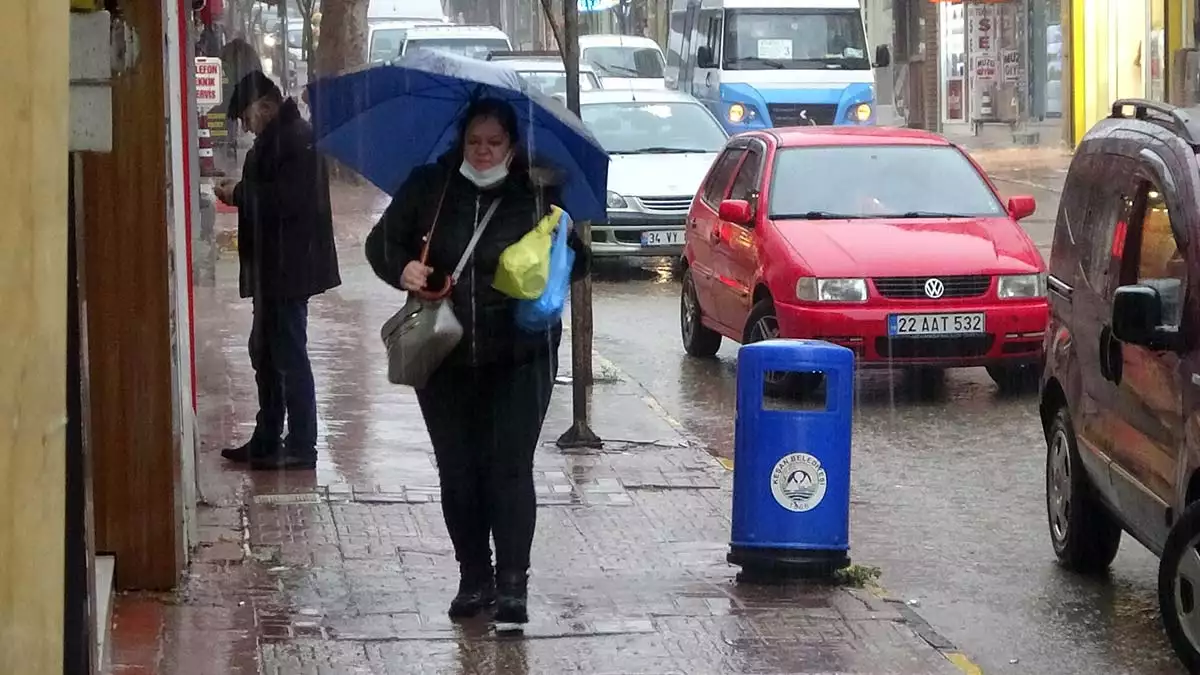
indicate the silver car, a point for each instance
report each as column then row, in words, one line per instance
column 661, row 144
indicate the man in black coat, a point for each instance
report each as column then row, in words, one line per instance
column 287, row 255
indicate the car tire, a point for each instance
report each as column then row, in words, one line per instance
column 1016, row 378
column 698, row 340
column 1179, row 587
column 764, row 325
column 1084, row 533
column 678, row 268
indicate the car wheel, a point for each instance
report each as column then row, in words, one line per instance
column 1179, row 587
column 698, row 339
column 764, row 325
column 678, row 268
column 1016, row 378
column 1083, row 531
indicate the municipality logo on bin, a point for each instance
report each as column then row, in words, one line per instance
column 798, row 482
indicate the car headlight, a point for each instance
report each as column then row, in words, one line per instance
column 1022, row 286
column 616, row 201
column 861, row 112
column 812, row 289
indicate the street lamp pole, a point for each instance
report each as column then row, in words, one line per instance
column 580, row 435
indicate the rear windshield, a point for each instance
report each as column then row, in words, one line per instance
column 874, row 181
column 474, row 48
column 635, row 62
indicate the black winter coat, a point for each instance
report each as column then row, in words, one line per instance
column 490, row 333
column 285, row 222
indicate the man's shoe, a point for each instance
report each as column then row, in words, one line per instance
column 476, row 593
column 285, row 459
column 512, row 600
column 249, row 450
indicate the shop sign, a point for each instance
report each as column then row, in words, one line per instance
column 1010, row 63
column 208, row 82
column 984, row 68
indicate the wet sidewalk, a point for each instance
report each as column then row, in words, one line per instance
column 349, row 569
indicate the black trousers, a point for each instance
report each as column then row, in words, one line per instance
column 283, row 373
column 484, row 423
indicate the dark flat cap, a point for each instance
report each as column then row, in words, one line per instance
column 252, row 87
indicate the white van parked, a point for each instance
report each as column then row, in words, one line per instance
column 428, row 11
column 387, row 41
column 624, row 61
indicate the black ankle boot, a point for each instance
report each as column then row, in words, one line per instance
column 476, row 592
column 513, row 591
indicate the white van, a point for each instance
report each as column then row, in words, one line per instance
column 774, row 63
column 387, row 41
column 429, row 11
column 624, row 61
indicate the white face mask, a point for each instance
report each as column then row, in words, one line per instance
column 488, row 177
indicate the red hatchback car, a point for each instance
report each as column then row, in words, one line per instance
column 891, row 242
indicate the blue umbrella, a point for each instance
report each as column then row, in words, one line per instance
column 386, row 120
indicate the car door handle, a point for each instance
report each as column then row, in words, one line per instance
column 715, row 235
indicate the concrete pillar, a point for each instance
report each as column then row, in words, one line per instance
column 34, row 47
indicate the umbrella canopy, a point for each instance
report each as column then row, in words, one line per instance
column 386, row 120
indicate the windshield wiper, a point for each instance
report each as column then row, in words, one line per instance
column 661, row 150
column 620, row 69
column 927, row 214
column 819, row 215
column 770, row 63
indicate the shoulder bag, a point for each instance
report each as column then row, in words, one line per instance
column 424, row 332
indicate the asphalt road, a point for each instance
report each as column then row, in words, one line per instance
column 948, row 490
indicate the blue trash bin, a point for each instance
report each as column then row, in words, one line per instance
column 791, row 480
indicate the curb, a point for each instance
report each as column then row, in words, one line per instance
column 918, row 624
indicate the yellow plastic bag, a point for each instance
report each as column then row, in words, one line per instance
column 525, row 266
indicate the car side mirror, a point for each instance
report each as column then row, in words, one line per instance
column 704, row 57
column 736, row 211
column 1137, row 318
column 883, row 56
column 1021, row 207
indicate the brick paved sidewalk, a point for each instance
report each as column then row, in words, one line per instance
column 349, row 569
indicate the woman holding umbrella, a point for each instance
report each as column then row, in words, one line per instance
column 484, row 406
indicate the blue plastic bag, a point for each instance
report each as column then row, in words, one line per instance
column 542, row 314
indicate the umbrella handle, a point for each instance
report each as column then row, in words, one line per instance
column 435, row 295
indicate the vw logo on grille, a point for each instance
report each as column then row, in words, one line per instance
column 934, row 288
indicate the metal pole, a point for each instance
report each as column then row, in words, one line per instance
column 284, row 83
column 580, row 435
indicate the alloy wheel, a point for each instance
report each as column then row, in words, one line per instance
column 691, row 312
column 1187, row 583
column 1058, row 499
column 767, row 328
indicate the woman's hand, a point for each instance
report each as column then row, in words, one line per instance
column 415, row 276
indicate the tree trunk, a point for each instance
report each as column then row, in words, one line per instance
column 343, row 43
column 342, row 47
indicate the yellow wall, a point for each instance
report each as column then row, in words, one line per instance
column 34, row 47
column 1107, row 39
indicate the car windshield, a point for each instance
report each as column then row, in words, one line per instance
column 888, row 181
column 474, row 48
column 827, row 39
column 551, row 82
column 643, row 128
column 618, row 61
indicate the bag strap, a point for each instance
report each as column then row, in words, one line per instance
column 466, row 256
